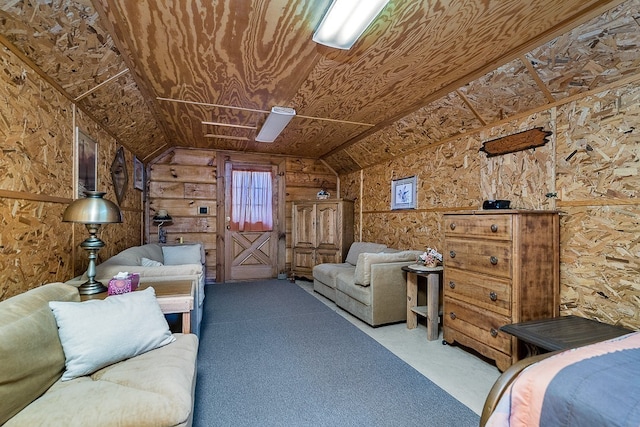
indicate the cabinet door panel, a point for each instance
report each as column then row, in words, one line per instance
column 303, row 259
column 328, row 227
column 304, row 232
column 328, row 256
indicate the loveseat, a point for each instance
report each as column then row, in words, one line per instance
column 44, row 356
column 370, row 284
column 156, row 262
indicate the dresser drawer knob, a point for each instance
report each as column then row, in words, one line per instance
column 493, row 296
column 452, row 254
column 494, row 228
column 493, row 260
column 452, row 226
column 452, row 284
column 452, row 315
column 494, row 332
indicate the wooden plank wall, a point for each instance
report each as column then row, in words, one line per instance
column 183, row 180
column 596, row 191
column 36, row 183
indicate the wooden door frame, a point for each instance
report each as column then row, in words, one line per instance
column 222, row 158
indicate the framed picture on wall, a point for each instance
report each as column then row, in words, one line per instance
column 403, row 193
column 138, row 174
column 86, row 164
column 119, row 175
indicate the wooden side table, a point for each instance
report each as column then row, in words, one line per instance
column 432, row 310
column 562, row 333
column 175, row 296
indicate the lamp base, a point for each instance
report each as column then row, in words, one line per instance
column 91, row 287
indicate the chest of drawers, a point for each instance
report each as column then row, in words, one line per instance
column 500, row 267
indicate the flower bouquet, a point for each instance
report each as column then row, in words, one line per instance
column 430, row 258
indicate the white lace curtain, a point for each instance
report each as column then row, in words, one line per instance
column 251, row 201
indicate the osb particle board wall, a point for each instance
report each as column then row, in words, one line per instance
column 597, row 194
column 36, row 184
column 183, row 180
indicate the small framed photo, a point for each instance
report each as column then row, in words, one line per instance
column 86, row 164
column 138, row 174
column 403, row 193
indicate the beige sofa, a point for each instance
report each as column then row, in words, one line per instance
column 370, row 284
column 155, row 388
column 179, row 262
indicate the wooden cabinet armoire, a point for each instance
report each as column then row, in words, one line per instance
column 322, row 231
column 500, row 267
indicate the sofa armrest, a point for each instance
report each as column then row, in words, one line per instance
column 363, row 274
column 389, row 288
column 389, row 278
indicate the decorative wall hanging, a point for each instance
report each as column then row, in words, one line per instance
column 403, row 193
column 138, row 174
column 119, row 175
column 524, row 140
column 86, row 164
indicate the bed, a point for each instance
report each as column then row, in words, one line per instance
column 594, row 385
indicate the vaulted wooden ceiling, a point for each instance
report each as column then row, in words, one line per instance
column 153, row 71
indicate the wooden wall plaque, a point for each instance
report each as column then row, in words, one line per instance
column 532, row 138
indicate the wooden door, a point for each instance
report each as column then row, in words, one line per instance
column 250, row 254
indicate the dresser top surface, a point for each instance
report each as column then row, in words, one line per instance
column 503, row 211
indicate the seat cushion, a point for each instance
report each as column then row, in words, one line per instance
column 326, row 273
column 345, row 284
column 359, row 247
column 149, row 390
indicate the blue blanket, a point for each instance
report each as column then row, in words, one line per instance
column 600, row 391
column 594, row 385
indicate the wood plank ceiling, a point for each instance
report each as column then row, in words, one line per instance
column 171, row 61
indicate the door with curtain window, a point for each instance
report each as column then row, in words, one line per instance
column 250, row 217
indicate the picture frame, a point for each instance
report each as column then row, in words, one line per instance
column 119, row 175
column 86, row 164
column 138, row 174
column 403, row 193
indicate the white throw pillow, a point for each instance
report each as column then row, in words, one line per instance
column 98, row 333
column 182, row 254
column 146, row 262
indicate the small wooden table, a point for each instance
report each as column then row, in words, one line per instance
column 432, row 310
column 175, row 296
column 562, row 333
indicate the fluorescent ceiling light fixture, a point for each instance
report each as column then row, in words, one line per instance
column 346, row 20
column 278, row 119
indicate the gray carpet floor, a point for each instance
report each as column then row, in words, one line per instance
column 273, row 355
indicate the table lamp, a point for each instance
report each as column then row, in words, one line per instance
column 161, row 217
column 92, row 211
